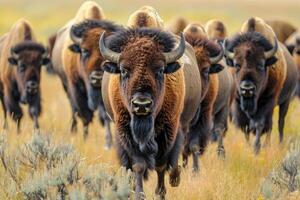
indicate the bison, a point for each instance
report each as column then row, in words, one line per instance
column 152, row 96
column 217, row 87
column 177, row 25
column 146, row 16
column 215, row 30
column 282, row 29
column 20, row 62
column 265, row 76
column 293, row 45
column 77, row 61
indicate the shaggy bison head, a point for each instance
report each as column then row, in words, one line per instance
column 85, row 36
column 250, row 54
column 28, row 57
column 142, row 57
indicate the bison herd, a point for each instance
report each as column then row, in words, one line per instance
column 169, row 90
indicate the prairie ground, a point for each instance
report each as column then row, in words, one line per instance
column 239, row 176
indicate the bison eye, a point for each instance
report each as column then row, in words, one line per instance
column 237, row 66
column 124, row 73
column 205, row 72
column 160, row 72
column 85, row 53
column 22, row 67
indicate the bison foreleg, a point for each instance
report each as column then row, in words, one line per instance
column 161, row 188
column 34, row 111
column 139, row 169
column 13, row 109
column 259, row 126
column 283, row 108
column 175, row 170
column 4, row 112
column 106, row 122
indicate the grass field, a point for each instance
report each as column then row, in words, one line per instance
column 239, row 176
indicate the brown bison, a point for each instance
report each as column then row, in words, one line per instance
column 215, row 30
column 215, row 94
column 20, row 66
column 282, row 29
column 152, row 95
column 293, row 45
column 77, row 60
column 146, row 16
column 265, row 76
column 177, row 25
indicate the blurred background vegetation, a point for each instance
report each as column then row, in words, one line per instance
column 49, row 15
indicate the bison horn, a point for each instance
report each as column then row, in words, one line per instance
column 216, row 59
column 270, row 53
column 176, row 53
column 229, row 54
column 106, row 52
column 75, row 38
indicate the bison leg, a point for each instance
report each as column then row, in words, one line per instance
column 4, row 113
column 161, row 188
column 283, row 108
column 259, row 126
column 220, row 127
column 139, row 171
column 104, row 119
column 13, row 109
column 79, row 98
column 73, row 128
column 34, row 111
column 175, row 170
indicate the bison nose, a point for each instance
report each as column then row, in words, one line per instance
column 32, row 87
column 95, row 78
column 141, row 105
column 247, row 88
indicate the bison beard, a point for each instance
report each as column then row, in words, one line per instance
column 248, row 105
column 94, row 97
column 143, row 134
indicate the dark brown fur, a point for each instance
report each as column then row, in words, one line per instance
column 141, row 56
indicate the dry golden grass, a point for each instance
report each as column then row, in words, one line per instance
column 239, row 176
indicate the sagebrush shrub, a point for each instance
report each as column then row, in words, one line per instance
column 284, row 181
column 41, row 169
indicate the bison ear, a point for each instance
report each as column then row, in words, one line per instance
column 75, row 48
column 271, row 61
column 291, row 48
column 111, row 67
column 215, row 68
column 13, row 61
column 229, row 62
column 172, row 67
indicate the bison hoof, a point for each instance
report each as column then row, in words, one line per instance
column 107, row 146
column 175, row 177
column 140, row 196
column 256, row 149
column 159, row 197
column 221, row 153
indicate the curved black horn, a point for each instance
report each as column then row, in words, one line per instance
column 176, row 53
column 106, row 52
